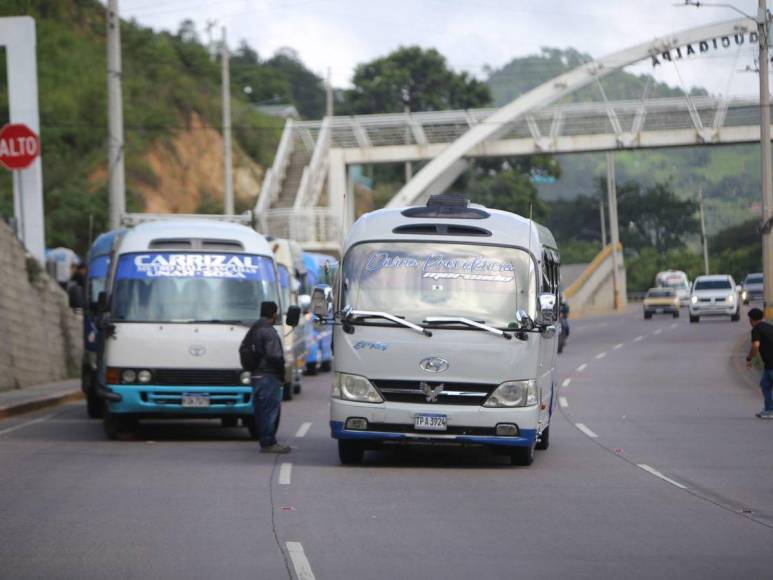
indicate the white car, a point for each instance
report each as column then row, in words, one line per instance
column 715, row 295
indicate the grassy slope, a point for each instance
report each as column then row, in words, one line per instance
column 166, row 78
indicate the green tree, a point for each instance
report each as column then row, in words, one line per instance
column 412, row 76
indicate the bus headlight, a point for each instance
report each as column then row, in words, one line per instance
column 514, row 394
column 355, row 388
column 128, row 376
column 144, row 376
column 245, row 378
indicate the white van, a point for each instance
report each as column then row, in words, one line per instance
column 180, row 297
column 677, row 280
column 444, row 330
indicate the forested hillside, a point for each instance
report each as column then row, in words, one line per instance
column 172, row 116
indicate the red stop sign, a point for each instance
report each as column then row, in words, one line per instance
column 18, row 146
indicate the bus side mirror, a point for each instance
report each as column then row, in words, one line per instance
column 293, row 316
column 321, row 300
column 546, row 309
column 102, row 302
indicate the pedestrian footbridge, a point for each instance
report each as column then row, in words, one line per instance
column 308, row 193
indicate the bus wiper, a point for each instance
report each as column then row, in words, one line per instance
column 219, row 321
column 467, row 322
column 350, row 315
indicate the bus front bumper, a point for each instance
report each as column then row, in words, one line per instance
column 466, row 425
column 153, row 400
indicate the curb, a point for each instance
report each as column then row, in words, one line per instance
column 42, row 403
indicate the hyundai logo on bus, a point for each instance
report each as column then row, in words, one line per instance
column 434, row 364
column 19, row 146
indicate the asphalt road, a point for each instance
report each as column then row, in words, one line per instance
column 657, row 469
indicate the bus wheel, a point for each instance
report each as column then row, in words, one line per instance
column 350, row 452
column 544, row 439
column 287, row 392
column 115, row 425
column 522, row 456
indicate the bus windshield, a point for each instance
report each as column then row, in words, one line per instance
column 192, row 287
column 417, row 280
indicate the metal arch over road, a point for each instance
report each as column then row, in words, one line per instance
column 554, row 90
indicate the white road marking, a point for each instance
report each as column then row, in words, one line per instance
column 638, row 338
column 582, row 367
column 674, row 325
column 582, row 427
column 285, row 472
column 601, row 355
column 26, row 424
column 658, row 331
column 299, row 560
column 656, row 473
column 302, row 430
column 566, row 383
column 619, row 346
column 563, row 402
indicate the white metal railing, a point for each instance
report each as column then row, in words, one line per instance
column 311, row 224
column 591, row 118
column 313, row 180
column 272, row 182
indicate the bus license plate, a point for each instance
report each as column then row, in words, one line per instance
column 194, row 400
column 430, row 422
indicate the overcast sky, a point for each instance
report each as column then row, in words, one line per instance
column 470, row 33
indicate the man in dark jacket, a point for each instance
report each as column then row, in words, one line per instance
column 762, row 344
column 267, row 376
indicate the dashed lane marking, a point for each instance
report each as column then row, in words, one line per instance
column 638, row 338
column 582, row 367
column 582, row 427
column 302, row 430
column 566, row 383
column 299, row 560
column 26, row 424
column 658, row 331
column 563, row 402
column 619, row 346
column 285, row 473
column 674, row 325
column 601, row 355
column 656, row 473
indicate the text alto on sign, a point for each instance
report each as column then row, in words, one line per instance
column 19, row 146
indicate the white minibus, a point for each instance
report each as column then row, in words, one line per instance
column 444, row 330
column 180, row 297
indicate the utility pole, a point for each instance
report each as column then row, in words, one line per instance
column 704, row 239
column 614, row 232
column 115, row 148
column 329, row 94
column 603, row 224
column 228, row 191
column 767, row 193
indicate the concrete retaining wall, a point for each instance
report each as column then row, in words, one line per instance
column 593, row 291
column 40, row 336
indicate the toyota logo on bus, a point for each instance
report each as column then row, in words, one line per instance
column 434, row 364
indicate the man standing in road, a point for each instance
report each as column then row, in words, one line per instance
column 762, row 343
column 266, row 357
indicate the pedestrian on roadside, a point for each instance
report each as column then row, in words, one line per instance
column 262, row 354
column 762, row 344
column 76, row 287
